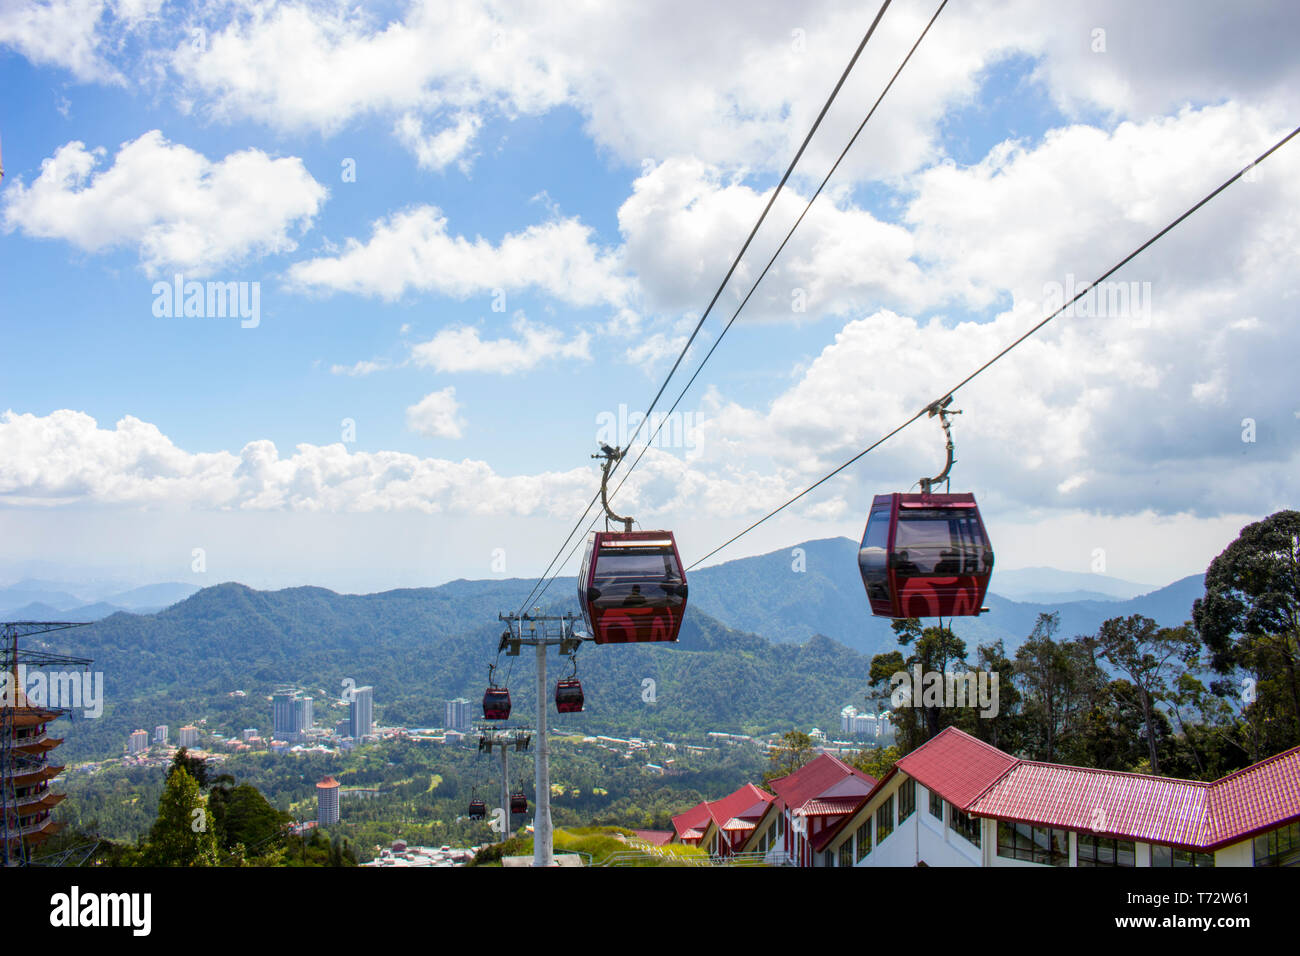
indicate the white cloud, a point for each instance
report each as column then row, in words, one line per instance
column 364, row 367
column 412, row 250
column 59, row 33
column 460, row 349
column 435, row 415
column 179, row 209
column 66, row 458
column 684, row 223
column 440, row 150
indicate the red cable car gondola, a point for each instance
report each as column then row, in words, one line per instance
column 518, row 802
column 568, row 691
column 568, row 696
column 631, row 585
column 477, row 808
column 926, row 555
column 496, row 700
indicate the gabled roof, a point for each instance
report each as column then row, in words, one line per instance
column 956, row 766
column 819, row 776
column 747, row 802
column 693, row 819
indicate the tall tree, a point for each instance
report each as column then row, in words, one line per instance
column 1250, row 616
column 1149, row 656
column 183, row 834
column 935, row 649
column 796, row 750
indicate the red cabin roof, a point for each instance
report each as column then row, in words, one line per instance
column 816, row 778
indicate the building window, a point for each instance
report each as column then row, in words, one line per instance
column 906, row 799
column 846, row 853
column 864, row 839
column 1046, row 845
column 1104, row 851
column 1177, row 856
column 936, row 806
column 1280, row 847
column 885, row 819
column 830, row 858
column 964, row 825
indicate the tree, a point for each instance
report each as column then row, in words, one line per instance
column 796, row 750
column 934, row 649
column 1250, row 617
column 875, row 761
column 183, row 834
column 1148, row 655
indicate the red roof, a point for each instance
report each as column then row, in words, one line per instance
column 823, row 773
column 655, row 837
column 977, row 777
column 747, row 802
column 829, row 806
column 693, row 819
column 956, row 766
column 1132, row 805
column 1256, row 798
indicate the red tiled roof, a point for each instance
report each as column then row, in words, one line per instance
column 1132, row 805
column 829, row 806
column 1258, row 797
column 655, row 837
column 956, row 766
column 745, row 802
column 815, row 778
column 979, row 778
column 692, row 819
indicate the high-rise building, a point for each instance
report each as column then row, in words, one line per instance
column 361, row 712
column 327, row 802
column 282, row 713
column 302, row 715
column 189, row 736
column 160, row 735
column 458, row 714
column 138, row 742
column 291, row 714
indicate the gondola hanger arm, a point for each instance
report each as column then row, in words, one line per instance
column 611, row 457
column 941, row 409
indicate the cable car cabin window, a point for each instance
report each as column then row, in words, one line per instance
column 636, row 577
column 938, row 543
column 873, row 557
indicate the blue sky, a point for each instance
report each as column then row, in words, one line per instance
column 601, row 169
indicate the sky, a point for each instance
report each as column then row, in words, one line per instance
column 429, row 254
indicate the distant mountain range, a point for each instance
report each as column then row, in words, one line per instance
column 32, row 600
column 769, row 642
column 770, row 595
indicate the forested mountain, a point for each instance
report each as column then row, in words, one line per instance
column 762, row 670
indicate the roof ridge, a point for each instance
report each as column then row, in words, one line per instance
column 1252, row 767
column 1117, row 773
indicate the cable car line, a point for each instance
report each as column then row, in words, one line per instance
column 784, row 242
column 650, row 441
column 734, row 264
column 1080, row 294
